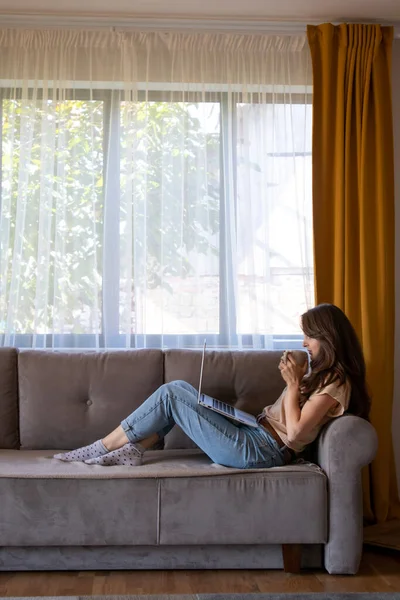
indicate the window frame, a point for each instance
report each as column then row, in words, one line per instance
column 114, row 340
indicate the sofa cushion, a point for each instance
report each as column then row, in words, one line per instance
column 50, row 511
column 9, row 437
column 68, row 400
column 40, row 464
column 281, row 505
column 175, row 497
column 248, row 380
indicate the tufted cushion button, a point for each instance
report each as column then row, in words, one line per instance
column 89, row 402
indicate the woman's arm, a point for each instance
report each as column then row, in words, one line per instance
column 301, row 420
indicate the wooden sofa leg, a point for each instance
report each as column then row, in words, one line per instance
column 291, row 558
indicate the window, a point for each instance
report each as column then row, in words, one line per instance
column 154, row 222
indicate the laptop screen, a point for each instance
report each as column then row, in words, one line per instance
column 201, row 370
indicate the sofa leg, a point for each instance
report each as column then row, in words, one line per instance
column 291, row 558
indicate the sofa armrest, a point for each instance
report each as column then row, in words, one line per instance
column 345, row 445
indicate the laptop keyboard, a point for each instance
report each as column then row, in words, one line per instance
column 222, row 406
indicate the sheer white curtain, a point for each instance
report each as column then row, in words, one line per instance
column 155, row 189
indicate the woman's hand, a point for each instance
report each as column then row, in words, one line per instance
column 291, row 372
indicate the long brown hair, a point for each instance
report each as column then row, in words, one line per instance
column 340, row 356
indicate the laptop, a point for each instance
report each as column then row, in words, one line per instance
column 221, row 407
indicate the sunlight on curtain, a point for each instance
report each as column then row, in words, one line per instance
column 155, row 189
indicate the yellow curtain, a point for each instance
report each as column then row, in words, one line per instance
column 353, row 209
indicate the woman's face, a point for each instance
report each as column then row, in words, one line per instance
column 312, row 346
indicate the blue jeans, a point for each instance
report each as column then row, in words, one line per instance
column 224, row 441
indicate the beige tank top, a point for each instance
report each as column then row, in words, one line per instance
column 276, row 416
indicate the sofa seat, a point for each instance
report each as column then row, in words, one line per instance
column 181, row 496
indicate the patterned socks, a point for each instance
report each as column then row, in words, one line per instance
column 85, row 453
column 129, row 455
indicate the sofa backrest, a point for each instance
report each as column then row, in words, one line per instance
column 68, row 400
column 8, row 398
column 248, row 380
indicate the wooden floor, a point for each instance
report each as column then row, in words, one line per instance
column 379, row 572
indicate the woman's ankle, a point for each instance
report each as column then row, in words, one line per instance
column 115, row 440
column 148, row 442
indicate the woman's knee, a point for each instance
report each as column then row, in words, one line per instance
column 184, row 385
column 180, row 390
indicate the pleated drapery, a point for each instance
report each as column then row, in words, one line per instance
column 353, row 209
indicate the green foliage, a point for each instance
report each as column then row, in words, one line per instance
column 52, row 220
column 175, row 186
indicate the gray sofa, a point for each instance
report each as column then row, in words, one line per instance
column 178, row 510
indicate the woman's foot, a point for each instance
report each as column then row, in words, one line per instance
column 82, row 454
column 129, row 456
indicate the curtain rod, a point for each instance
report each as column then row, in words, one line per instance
column 36, row 20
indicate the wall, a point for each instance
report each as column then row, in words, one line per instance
column 396, row 119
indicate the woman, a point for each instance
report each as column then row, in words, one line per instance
column 335, row 384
